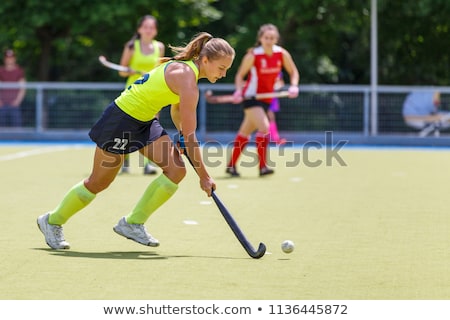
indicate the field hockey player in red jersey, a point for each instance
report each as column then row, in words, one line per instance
column 263, row 64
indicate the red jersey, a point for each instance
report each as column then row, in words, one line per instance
column 7, row 96
column 264, row 72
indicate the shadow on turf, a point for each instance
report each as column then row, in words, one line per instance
column 122, row 255
column 241, row 178
column 131, row 255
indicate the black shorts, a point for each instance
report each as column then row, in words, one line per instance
column 118, row 132
column 250, row 103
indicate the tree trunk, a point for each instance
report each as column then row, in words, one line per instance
column 45, row 38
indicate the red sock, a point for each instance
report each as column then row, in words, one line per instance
column 239, row 144
column 262, row 141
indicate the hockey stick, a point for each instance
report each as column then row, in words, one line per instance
column 256, row 254
column 237, row 231
column 229, row 98
column 115, row 66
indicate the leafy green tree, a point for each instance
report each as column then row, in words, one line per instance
column 61, row 40
column 328, row 39
column 413, row 42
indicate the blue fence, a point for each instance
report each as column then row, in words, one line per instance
column 66, row 111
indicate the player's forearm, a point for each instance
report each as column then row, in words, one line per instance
column 294, row 77
column 193, row 151
column 238, row 82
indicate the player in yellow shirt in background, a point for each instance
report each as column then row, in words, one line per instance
column 141, row 53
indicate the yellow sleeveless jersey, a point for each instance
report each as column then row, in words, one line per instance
column 142, row 62
column 144, row 98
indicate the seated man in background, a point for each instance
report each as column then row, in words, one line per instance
column 421, row 111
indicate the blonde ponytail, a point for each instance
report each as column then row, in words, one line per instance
column 203, row 44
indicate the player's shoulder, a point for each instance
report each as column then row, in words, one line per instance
column 249, row 55
column 257, row 50
column 162, row 47
column 130, row 44
column 180, row 68
column 278, row 48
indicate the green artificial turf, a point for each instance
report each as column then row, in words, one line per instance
column 374, row 228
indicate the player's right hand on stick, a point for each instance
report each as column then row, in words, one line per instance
column 293, row 91
column 208, row 185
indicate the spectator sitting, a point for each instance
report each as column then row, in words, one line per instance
column 421, row 111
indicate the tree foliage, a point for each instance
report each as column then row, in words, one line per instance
column 328, row 39
column 414, row 42
column 61, row 40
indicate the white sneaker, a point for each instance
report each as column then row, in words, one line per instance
column 135, row 232
column 149, row 169
column 53, row 233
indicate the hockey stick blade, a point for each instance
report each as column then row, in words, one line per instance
column 237, row 231
column 115, row 66
column 230, row 220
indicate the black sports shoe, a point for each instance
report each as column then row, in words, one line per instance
column 265, row 171
column 232, row 171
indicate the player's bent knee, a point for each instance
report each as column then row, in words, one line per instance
column 181, row 172
column 176, row 173
column 97, row 186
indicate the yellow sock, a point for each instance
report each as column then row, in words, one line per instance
column 158, row 192
column 76, row 199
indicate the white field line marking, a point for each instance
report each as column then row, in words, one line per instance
column 190, row 222
column 33, row 152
